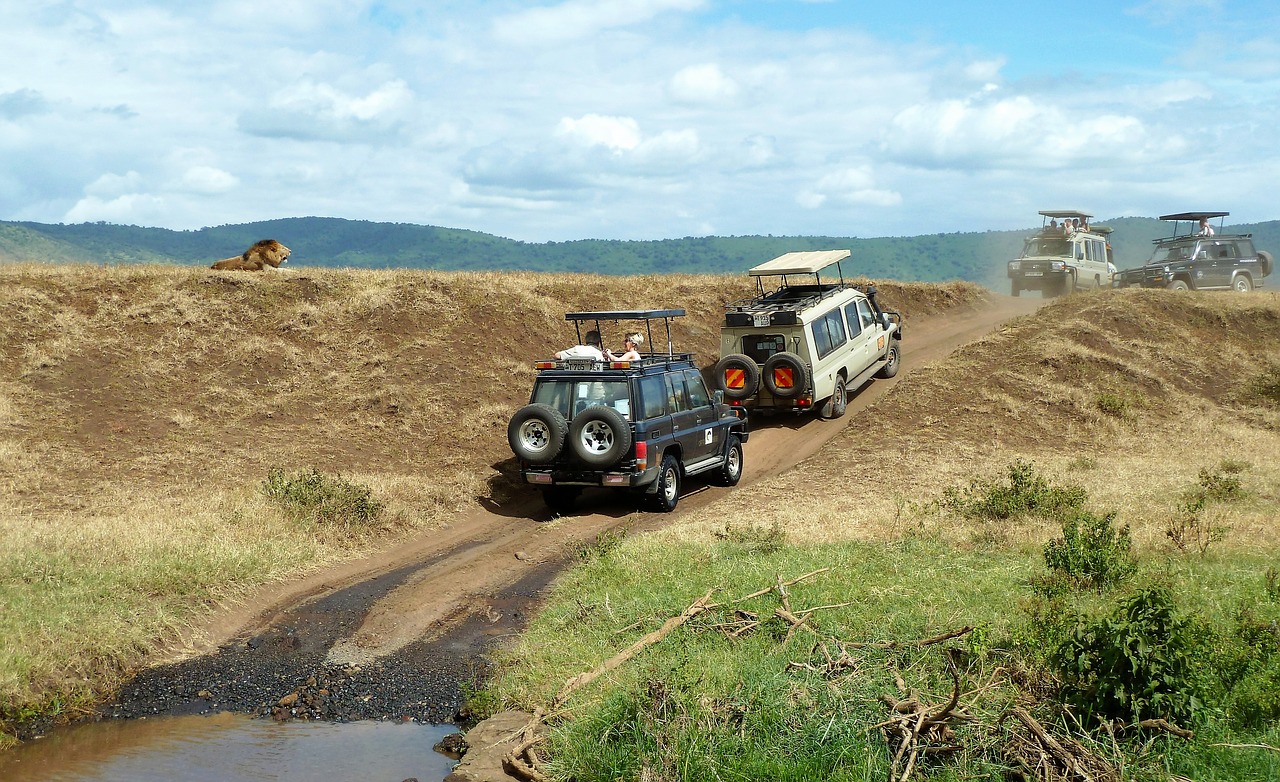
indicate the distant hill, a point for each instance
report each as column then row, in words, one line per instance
column 335, row 242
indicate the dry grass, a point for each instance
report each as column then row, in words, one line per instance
column 142, row 407
column 1031, row 392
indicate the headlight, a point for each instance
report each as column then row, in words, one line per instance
column 1057, row 266
column 1015, row 265
column 1166, row 270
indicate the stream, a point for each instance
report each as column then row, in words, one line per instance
column 230, row 747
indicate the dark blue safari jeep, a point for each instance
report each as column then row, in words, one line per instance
column 641, row 425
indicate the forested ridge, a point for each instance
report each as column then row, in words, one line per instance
column 334, row 242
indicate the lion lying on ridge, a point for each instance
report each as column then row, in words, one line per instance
column 267, row 252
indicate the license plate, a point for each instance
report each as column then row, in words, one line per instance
column 580, row 365
column 1034, row 274
column 761, row 320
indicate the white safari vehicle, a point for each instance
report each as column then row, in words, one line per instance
column 804, row 342
column 1060, row 258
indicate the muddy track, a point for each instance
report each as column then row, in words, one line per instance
column 401, row 634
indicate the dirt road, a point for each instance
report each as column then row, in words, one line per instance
column 396, row 635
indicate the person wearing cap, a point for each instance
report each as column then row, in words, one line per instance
column 630, row 348
column 590, row 350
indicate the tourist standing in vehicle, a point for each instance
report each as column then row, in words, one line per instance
column 1205, row 228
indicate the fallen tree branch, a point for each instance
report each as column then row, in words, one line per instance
column 1248, row 746
column 937, row 639
column 1168, row 727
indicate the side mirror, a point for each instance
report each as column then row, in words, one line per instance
column 719, row 396
column 885, row 321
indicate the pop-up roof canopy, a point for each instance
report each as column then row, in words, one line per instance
column 799, row 263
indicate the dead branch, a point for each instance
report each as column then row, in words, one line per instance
column 1167, row 727
column 937, row 639
column 1248, row 746
column 792, row 582
column 918, row 728
column 583, row 679
column 1051, row 758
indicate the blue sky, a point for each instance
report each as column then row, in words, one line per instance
column 638, row 119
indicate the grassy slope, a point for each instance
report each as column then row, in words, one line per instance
column 1128, row 394
column 142, row 407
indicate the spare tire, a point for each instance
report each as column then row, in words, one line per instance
column 599, row 436
column 738, row 376
column 1267, row 263
column 785, row 375
column 536, row 433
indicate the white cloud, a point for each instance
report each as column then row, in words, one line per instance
column 580, row 19
column 852, row 186
column 615, row 133
column 703, row 84
column 208, row 180
column 315, row 110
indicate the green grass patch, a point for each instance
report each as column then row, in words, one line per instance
column 708, row 702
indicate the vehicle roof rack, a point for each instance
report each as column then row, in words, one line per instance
column 648, row 316
column 1055, row 213
column 1196, row 216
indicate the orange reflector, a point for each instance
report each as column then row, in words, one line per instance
column 783, row 377
column 620, row 365
column 735, row 378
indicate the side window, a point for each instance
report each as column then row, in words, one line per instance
column 1079, row 250
column 698, row 396
column 1088, row 250
column 677, row 397
column 1228, row 251
column 865, row 314
column 828, row 332
column 653, row 395
column 851, row 315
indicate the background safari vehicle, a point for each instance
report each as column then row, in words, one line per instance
column 802, row 344
column 1195, row 262
column 1056, row 260
column 642, row 425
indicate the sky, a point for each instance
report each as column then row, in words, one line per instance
column 557, row 120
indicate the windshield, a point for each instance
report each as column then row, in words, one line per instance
column 1175, row 252
column 571, row 397
column 1047, row 245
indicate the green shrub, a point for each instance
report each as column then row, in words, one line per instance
column 1025, row 493
column 1092, row 551
column 1133, row 665
column 1222, row 484
column 606, row 542
column 1113, row 405
column 321, row 499
column 754, row 538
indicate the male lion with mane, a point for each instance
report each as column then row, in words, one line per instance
column 267, row 252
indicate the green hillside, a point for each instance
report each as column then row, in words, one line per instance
column 333, row 242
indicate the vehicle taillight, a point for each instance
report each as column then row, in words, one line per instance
column 544, row 365
column 642, row 455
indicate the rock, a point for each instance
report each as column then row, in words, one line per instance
column 289, row 699
column 486, row 743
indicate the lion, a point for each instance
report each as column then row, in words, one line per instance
column 267, row 252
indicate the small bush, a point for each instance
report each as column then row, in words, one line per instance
column 755, row 539
column 321, row 499
column 1133, row 665
column 1245, row 661
column 1025, row 493
column 1092, row 551
column 1266, row 386
column 606, row 542
column 1222, row 484
column 1113, row 405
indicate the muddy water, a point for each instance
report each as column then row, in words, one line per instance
column 230, row 748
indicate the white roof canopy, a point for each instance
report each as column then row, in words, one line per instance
column 799, row 263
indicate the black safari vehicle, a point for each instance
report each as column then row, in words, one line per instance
column 643, row 426
column 1201, row 259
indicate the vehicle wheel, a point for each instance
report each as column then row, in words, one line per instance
column 835, row 405
column 536, row 433
column 599, row 436
column 738, row 376
column 1017, row 291
column 1266, row 262
column 1242, row 283
column 895, row 358
column 731, row 471
column 560, row 499
column 664, row 500
column 784, row 368
column 1178, row 285
column 1068, row 285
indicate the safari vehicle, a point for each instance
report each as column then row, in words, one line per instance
column 1059, row 259
column 642, row 426
column 1194, row 261
column 803, row 343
